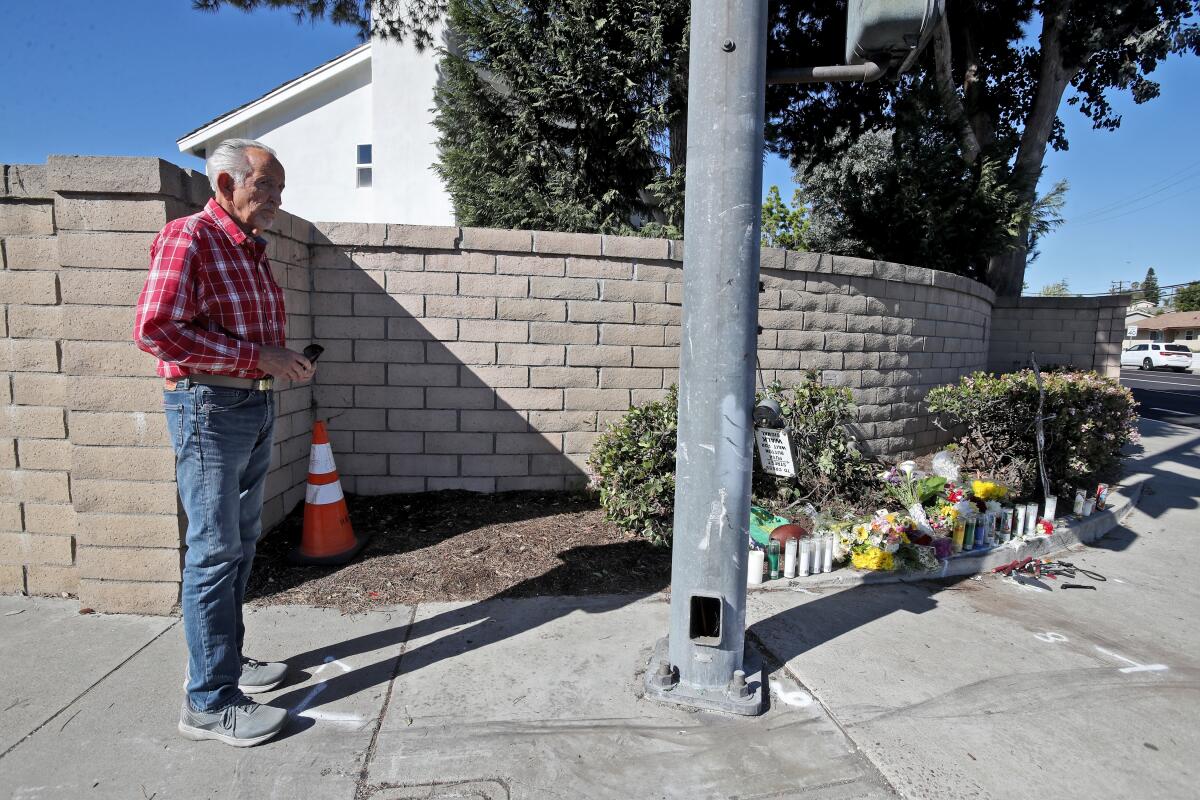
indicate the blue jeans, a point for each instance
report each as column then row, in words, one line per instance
column 222, row 440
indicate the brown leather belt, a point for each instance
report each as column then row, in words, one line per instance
column 225, row 381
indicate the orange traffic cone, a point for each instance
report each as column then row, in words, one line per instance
column 327, row 537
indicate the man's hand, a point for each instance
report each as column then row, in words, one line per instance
column 283, row 363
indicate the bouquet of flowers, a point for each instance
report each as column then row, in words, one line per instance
column 913, row 489
column 988, row 491
column 872, row 544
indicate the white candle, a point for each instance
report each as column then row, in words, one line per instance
column 1089, row 506
column 829, row 553
column 805, row 555
column 1080, row 496
column 789, row 559
column 1050, row 508
column 1031, row 519
column 754, row 568
column 1019, row 527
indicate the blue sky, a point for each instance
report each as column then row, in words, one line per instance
column 130, row 77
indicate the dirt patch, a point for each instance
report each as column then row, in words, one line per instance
column 463, row 546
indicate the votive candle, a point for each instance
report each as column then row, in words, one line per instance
column 805, row 555
column 1050, row 508
column 1080, row 497
column 789, row 559
column 754, row 568
column 773, row 558
column 969, row 535
column 1089, row 506
column 828, row 563
column 1031, row 518
column 960, row 528
column 1019, row 525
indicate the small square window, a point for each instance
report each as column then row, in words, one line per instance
column 364, row 154
column 364, row 177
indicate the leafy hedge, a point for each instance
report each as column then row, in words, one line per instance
column 1089, row 419
column 635, row 460
column 635, row 463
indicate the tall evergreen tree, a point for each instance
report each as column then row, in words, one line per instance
column 1150, row 287
column 555, row 114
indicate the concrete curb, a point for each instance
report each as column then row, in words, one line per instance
column 1070, row 531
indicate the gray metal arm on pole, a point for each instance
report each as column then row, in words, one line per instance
column 862, row 73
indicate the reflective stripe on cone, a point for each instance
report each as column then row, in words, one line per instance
column 328, row 537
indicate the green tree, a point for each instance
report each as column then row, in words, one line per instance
column 783, row 226
column 1188, row 297
column 905, row 195
column 551, row 114
column 557, row 114
column 1060, row 289
column 415, row 20
column 1150, row 289
column 998, row 91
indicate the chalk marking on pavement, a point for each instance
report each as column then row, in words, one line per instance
column 331, row 660
column 1049, row 637
column 798, row 698
column 330, row 716
column 301, row 709
column 1136, row 667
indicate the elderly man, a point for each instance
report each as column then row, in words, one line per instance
column 213, row 315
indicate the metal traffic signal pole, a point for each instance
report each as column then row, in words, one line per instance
column 726, row 91
column 704, row 662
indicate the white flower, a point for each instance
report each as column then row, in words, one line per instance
column 993, row 506
column 907, row 467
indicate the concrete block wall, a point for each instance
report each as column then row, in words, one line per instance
column 491, row 360
column 456, row 358
column 88, row 500
column 1080, row 332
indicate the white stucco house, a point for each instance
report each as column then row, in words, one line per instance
column 355, row 134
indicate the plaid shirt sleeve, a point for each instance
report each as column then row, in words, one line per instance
column 168, row 310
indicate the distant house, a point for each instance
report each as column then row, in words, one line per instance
column 355, row 134
column 1178, row 326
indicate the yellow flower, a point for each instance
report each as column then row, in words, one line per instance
column 873, row 558
column 988, row 490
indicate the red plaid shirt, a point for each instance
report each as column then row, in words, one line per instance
column 210, row 298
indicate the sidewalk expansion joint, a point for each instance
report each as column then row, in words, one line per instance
column 86, row 691
column 361, row 789
column 772, row 664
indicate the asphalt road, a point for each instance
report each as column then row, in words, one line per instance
column 1165, row 395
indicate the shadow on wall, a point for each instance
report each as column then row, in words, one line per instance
column 424, row 388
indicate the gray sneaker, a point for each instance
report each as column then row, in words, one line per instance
column 243, row 723
column 257, row 676
column 261, row 676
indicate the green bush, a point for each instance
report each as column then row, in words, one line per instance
column 831, row 473
column 1089, row 419
column 635, row 461
column 635, row 464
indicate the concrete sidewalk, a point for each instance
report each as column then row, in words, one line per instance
column 962, row 688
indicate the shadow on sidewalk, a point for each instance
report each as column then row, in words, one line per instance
column 473, row 626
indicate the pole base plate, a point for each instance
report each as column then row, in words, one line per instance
column 753, row 703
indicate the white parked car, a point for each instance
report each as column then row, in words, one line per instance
column 1156, row 354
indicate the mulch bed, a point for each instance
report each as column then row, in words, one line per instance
column 463, row 546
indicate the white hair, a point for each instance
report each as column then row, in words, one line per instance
column 230, row 157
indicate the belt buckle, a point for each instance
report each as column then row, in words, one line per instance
column 262, row 384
